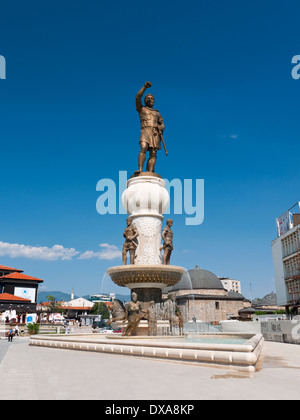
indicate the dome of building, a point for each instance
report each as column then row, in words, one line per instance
column 199, row 279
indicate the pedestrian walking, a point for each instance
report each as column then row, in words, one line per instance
column 10, row 334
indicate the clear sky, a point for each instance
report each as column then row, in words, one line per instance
column 221, row 76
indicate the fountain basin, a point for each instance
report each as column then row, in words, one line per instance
column 151, row 276
column 239, row 356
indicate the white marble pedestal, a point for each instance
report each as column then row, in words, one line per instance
column 145, row 200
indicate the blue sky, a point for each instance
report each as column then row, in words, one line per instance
column 221, row 75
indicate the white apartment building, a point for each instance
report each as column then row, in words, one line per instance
column 231, row 284
column 102, row 297
column 286, row 258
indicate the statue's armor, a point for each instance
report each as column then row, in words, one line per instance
column 129, row 233
column 168, row 238
column 150, row 122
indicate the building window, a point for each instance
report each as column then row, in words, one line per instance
column 217, row 305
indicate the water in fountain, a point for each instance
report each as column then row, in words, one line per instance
column 104, row 283
column 176, row 316
column 107, row 286
column 198, row 319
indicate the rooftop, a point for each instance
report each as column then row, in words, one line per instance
column 20, row 276
column 9, row 297
column 288, row 220
column 198, row 278
column 5, row 268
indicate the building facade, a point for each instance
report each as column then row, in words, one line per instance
column 201, row 295
column 286, row 259
column 231, row 284
column 18, row 294
column 102, row 297
column 76, row 307
column 21, row 285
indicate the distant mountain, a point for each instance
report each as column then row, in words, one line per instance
column 61, row 296
column 58, row 296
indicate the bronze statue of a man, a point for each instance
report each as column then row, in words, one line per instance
column 152, row 127
column 130, row 234
column 167, row 236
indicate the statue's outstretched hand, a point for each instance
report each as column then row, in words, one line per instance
column 148, row 85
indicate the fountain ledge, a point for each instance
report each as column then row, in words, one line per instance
column 242, row 357
column 148, row 275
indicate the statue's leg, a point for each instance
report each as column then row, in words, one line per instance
column 124, row 257
column 130, row 329
column 152, row 160
column 142, row 155
column 132, row 255
column 168, row 257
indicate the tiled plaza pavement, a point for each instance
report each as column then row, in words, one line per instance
column 36, row 373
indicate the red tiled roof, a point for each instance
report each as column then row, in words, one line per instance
column 8, row 296
column 4, row 268
column 20, row 276
column 77, row 308
column 50, row 303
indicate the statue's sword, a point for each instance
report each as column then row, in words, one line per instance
column 163, row 142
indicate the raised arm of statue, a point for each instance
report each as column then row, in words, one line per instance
column 140, row 94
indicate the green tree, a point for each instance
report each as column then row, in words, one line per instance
column 100, row 308
column 33, row 328
column 54, row 306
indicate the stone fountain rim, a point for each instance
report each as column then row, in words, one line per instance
column 139, row 275
column 148, row 267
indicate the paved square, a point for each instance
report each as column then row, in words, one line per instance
column 35, row 373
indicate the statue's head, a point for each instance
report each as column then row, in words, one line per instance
column 149, row 100
column 169, row 222
column 129, row 221
column 134, row 297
